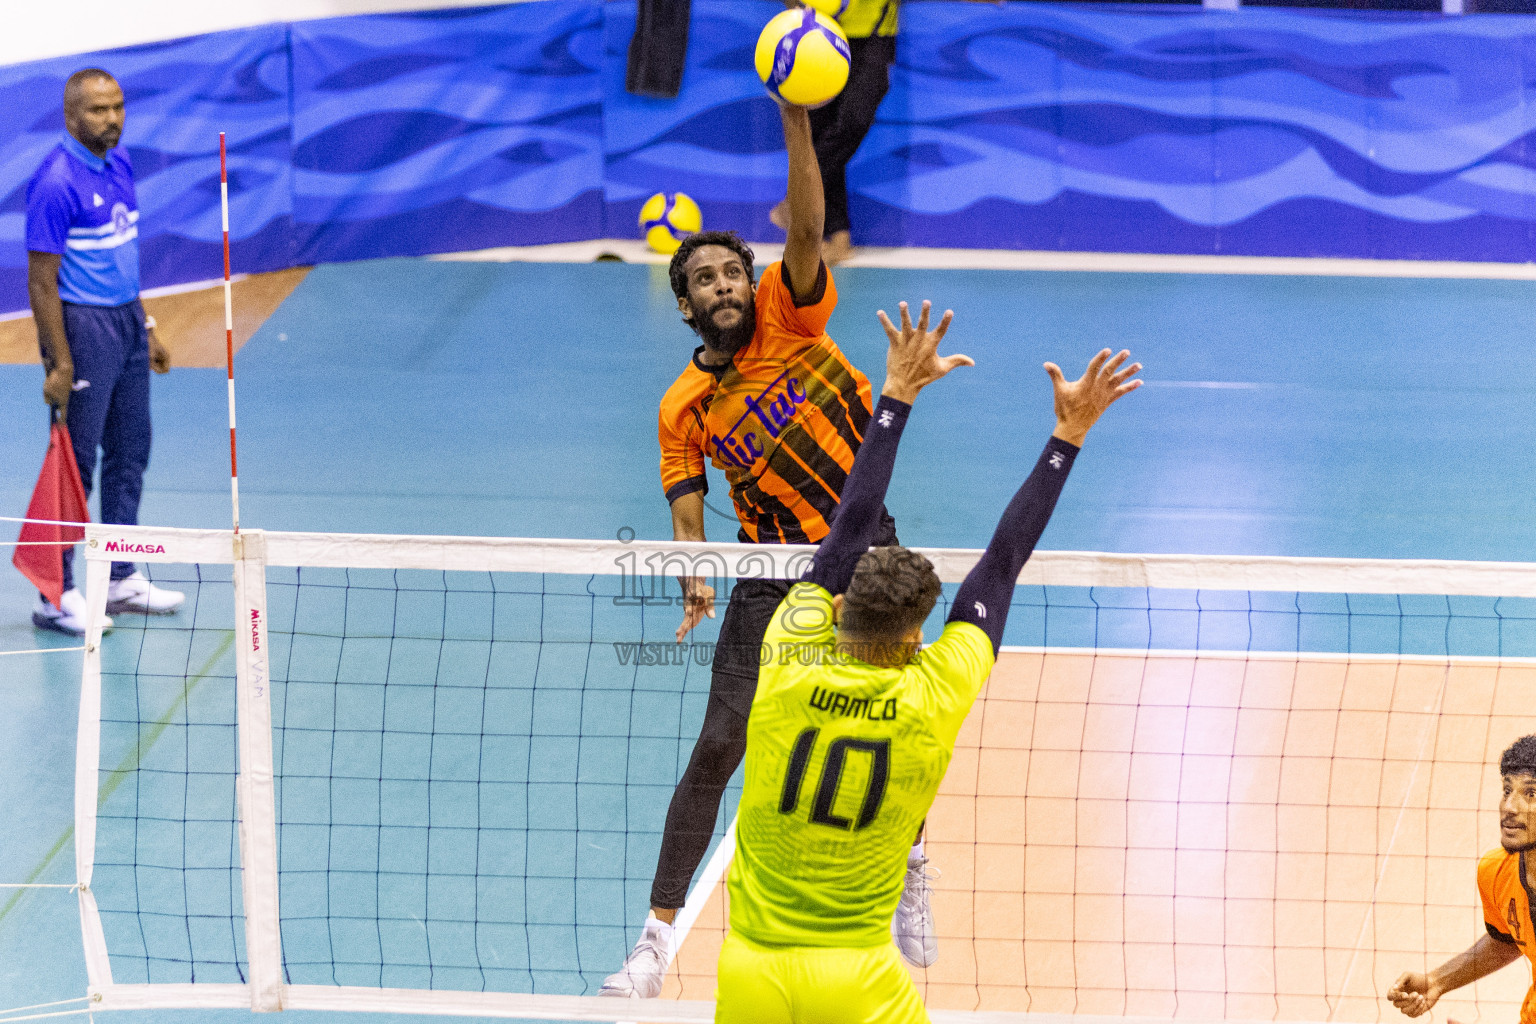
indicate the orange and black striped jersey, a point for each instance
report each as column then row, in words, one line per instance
column 783, row 420
column 1507, row 911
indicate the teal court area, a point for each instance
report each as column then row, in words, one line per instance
column 508, row 842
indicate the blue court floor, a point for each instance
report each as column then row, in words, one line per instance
column 1282, row 415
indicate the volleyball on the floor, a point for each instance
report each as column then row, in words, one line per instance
column 667, row 218
column 802, row 57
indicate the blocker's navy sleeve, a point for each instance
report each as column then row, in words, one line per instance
column 857, row 520
column 987, row 592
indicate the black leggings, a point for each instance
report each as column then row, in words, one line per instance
column 722, row 739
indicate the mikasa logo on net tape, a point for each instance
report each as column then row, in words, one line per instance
column 128, row 547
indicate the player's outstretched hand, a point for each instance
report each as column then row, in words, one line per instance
column 913, row 361
column 1080, row 403
column 698, row 601
column 1413, row 994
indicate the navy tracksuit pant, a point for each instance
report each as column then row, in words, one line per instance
column 109, row 409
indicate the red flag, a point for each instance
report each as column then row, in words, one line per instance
column 59, row 497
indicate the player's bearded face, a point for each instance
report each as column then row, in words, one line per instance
column 94, row 113
column 1517, row 813
column 721, row 305
column 726, row 322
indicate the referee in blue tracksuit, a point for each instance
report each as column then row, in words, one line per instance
column 97, row 346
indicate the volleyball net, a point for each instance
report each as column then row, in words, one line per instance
column 429, row 775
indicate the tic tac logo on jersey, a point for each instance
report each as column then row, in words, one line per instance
column 771, row 411
column 127, row 547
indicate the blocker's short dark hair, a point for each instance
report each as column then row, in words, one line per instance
column 730, row 239
column 892, row 590
column 1520, row 758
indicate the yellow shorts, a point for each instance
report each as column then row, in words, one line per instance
column 809, row 985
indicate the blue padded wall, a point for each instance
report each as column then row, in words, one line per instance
column 1265, row 131
column 450, row 130
column 1075, row 126
column 180, row 94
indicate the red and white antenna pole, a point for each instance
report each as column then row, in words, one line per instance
column 229, row 334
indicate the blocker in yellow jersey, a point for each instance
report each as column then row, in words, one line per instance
column 843, row 761
column 853, row 723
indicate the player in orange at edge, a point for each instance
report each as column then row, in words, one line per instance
column 770, row 400
column 1504, row 881
column 854, row 722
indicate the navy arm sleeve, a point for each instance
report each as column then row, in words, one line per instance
column 987, row 592
column 858, row 517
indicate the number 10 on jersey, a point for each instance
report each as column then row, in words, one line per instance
column 822, row 813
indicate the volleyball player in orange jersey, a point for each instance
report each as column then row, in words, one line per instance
column 771, row 401
column 1505, row 881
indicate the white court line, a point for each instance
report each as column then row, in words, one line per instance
column 693, row 906
column 41, row 650
column 635, row 251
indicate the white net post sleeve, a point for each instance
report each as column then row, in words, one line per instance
column 87, row 775
column 258, row 816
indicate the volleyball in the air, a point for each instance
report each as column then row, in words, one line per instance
column 802, row 57
column 667, row 218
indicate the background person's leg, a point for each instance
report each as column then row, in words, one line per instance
column 98, row 360
column 834, row 185
column 849, row 120
column 125, row 435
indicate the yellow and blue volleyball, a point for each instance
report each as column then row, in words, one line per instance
column 802, row 57
column 667, row 218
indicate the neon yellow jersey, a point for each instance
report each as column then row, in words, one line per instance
column 843, row 762
column 865, row 18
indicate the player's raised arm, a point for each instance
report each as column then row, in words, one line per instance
column 807, row 204
column 911, row 363
column 985, row 595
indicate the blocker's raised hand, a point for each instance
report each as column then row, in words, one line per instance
column 1080, row 403
column 913, row 361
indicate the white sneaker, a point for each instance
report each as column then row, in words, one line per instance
column 912, row 925
column 646, row 966
column 69, row 617
column 136, row 594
